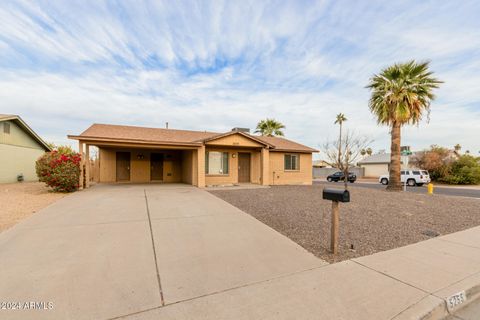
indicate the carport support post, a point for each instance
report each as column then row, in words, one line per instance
column 82, row 159
column 87, row 165
column 265, row 166
column 334, row 229
column 201, row 167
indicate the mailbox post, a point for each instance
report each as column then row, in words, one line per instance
column 336, row 196
column 334, row 228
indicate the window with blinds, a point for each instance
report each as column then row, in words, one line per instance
column 216, row 162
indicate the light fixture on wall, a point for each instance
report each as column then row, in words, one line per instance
column 234, row 155
column 140, row 156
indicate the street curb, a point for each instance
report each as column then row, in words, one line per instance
column 472, row 294
column 429, row 308
column 433, row 307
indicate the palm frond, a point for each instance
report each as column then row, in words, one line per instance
column 402, row 92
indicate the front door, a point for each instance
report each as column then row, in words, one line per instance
column 123, row 166
column 156, row 166
column 243, row 167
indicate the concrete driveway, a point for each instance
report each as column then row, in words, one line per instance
column 117, row 250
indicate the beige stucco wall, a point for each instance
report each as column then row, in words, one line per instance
column 15, row 160
column 107, row 165
column 279, row 176
column 189, row 166
column 255, row 167
column 375, row 170
column 140, row 168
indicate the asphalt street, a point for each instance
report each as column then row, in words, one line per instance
column 442, row 190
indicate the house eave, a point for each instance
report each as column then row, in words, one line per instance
column 121, row 141
column 294, row 150
column 30, row 131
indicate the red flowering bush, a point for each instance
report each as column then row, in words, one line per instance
column 59, row 169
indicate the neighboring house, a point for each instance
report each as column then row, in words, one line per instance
column 20, row 147
column 200, row 158
column 379, row 164
column 321, row 164
column 375, row 165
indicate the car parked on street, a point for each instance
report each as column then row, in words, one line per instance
column 339, row 176
column 413, row 177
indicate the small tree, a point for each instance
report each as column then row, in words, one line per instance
column 436, row 161
column 345, row 154
column 59, row 169
column 340, row 119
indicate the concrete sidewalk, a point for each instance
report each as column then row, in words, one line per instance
column 412, row 282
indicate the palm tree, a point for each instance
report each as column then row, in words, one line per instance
column 270, row 128
column 340, row 120
column 401, row 94
column 363, row 152
column 369, row 151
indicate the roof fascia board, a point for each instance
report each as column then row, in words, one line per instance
column 143, row 142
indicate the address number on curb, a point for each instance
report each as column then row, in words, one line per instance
column 456, row 299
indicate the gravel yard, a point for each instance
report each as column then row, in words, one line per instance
column 20, row 200
column 374, row 220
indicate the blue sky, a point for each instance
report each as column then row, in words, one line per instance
column 214, row 65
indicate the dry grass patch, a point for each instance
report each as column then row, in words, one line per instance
column 375, row 220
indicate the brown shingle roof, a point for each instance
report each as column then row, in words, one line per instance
column 109, row 131
column 158, row 135
column 282, row 144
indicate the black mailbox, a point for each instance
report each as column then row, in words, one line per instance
column 336, row 195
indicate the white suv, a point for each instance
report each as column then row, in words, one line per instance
column 412, row 177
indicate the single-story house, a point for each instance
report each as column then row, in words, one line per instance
column 200, row 158
column 20, row 147
column 376, row 165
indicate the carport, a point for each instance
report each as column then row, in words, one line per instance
column 128, row 162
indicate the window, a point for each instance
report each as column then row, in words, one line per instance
column 6, row 127
column 402, row 172
column 216, row 162
column 417, row 173
column 291, row 162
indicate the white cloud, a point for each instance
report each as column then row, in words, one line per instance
column 215, row 65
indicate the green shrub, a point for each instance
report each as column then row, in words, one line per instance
column 465, row 170
column 59, row 169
